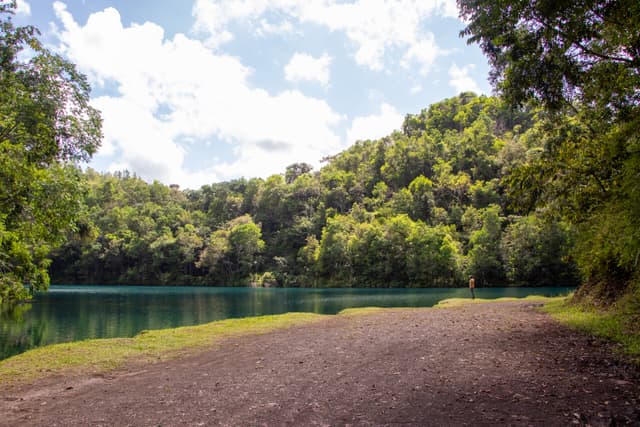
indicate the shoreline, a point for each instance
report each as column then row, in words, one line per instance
column 105, row 354
column 504, row 362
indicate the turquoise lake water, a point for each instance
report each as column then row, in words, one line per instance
column 72, row 313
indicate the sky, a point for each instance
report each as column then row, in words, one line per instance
column 200, row 91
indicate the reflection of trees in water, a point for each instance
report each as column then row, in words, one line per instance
column 127, row 313
column 17, row 334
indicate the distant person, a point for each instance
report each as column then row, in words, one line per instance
column 472, row 287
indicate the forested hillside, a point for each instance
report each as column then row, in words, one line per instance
column 423, row 207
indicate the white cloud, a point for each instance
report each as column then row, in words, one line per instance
column 374, row 27
column 267, row 28
column 212, row 18
column 461, row 80
column 172, row 90
column 376, row 125
column 23, row 8
column 416, row 89
column 377, row 26
column 303, row 67
column 423, row 53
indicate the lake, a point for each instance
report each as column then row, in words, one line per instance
column 73, row 313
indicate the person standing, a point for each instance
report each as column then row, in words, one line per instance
column 472, row 287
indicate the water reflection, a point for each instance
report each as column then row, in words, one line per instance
column 17, row 331
column 72, row 313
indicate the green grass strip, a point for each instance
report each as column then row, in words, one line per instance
column 460, row 302
column 613, row 325
column 100, row 355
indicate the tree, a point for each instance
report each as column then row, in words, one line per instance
column 332, row 255
column 216, row 249
column 189, row 243
column 307, row 258
column 485, row 261
column 295, row 170
column 421, row 190
column 245, row 241
column 270, row 207
column 535, row 253
column 231, row 253
column 46, row 127
column 432, row 257
column 581, row 62
column 560, row 52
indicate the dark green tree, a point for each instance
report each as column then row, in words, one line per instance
column 231, row 253
column 581, row 62
column 484, row 258
column 46, row 127
column 536, row 253
column 560, row 52
column 295, row 170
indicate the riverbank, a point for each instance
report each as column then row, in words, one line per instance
column 78, row 313
column 98, row 356
column 478, row 364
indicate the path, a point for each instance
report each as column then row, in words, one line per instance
column 484, row 364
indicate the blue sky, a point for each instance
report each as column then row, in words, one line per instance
column 195, row 92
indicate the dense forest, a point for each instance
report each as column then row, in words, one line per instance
column 538, row 185
column 423, row 207
column 580, row 62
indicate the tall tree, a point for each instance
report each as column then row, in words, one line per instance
column 534, row 251
column 581, row 62
column 46, row 127
column 232, row 253
column 295, row 170
column 560, row 52
column 485, row 261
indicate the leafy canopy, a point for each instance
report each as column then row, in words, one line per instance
column 424, row 207
column 561, row 52
column 46, row 127
column 580, row 60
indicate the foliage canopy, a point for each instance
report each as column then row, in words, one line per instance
column 46, row 127
column 581, row 62
column 423, row 207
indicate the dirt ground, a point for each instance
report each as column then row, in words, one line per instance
column 484, row 364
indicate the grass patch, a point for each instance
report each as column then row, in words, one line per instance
column 459, row 302
column 615, row 324
column 100, row 355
